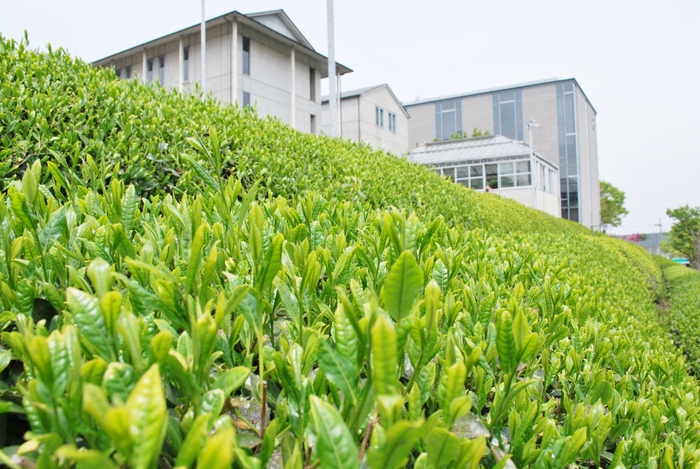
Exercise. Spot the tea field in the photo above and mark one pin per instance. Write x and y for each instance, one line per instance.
(184, 284)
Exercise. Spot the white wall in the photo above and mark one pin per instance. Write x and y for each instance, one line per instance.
(269, 82)
(548, 203)
(382, 137)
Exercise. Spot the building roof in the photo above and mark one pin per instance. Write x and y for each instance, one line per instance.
(368, 89)
(492, 147)
(500, 88)
(275, 24)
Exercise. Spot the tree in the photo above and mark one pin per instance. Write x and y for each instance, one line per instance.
(612, 201)
(685, 233)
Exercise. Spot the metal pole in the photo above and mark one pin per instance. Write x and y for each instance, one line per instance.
(332, 104)
(532, 164)
(203, 80)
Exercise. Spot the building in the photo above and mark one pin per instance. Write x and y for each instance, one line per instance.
(372, 115)
(497, 164)
(564, 135)
(259, 59)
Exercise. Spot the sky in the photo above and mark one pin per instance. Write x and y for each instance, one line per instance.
(637, 61)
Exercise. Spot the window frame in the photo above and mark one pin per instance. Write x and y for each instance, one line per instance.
(245, 99)
(245, 56)
(392, 122)
(149, 70)
(127, 72)
(379, 116)
(161, 69)
(186, 64)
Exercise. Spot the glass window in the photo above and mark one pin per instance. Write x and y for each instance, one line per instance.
(118, 72)
(568, 151)
(507, 168)
(161, 69)
(128, 72)
(523, 167)
(463, 172)
(392, 122)
(246, 99)
(149, 70)
(449, 173)
(379, 116)
(507, 181)
(477, 184)
(508, 114)
(477, 170)
(523, 180)
(246, 56)
(491, 175)
(186, 64)
(464, 182)
(448, 118)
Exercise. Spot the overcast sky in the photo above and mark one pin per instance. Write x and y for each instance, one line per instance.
(637, 61)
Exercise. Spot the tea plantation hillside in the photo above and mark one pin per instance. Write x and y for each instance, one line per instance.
(186, 285)
(58, 109)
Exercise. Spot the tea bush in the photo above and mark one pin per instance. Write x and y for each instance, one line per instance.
(682, 310)
(224, 315)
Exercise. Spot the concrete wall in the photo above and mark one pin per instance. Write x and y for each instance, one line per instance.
(350, 119)
(540, 103)
(589, 189)
(358, 121)
(548, 203)
(421, 125)
(382, 137)
(269, 82)
(477, 111)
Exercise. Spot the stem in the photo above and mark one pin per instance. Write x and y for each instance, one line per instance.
(365, 440)
(415, 371)
(263, 409)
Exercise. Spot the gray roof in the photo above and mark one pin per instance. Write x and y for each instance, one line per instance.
(353, 93)
(492, 147)
(499, 88)
(367, 89)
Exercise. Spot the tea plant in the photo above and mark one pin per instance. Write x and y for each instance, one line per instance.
(207, 308)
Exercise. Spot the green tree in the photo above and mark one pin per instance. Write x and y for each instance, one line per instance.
(612, 205)
(685, 233)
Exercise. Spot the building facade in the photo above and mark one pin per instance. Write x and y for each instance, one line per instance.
(564, 133)
(259, 59)
(495, 164)
(372, 115)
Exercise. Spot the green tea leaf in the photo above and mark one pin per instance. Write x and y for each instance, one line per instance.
(384, 354)
(148, 419)
(335, 446)
(402, 285)
(394, 452)
(339, 371)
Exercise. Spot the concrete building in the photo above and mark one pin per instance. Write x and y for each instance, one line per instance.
(565, 132)
(372, 115)
(259, 59)
(497, 164)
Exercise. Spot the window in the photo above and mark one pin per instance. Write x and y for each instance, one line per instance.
(246, 55)
(161, 69)
(118, 72)
(448, 118)
(149, 70)
(495, 175)
(128, 72)
(379, 116)
(312, 84)
(392, 122)
(508, 114)
(246, 99)
(568, 153)
(186, 64)
(312, 125)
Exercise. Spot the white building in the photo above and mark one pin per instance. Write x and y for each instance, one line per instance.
(497, 164)
(565, 135)
(372, 115)
(259, 59)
